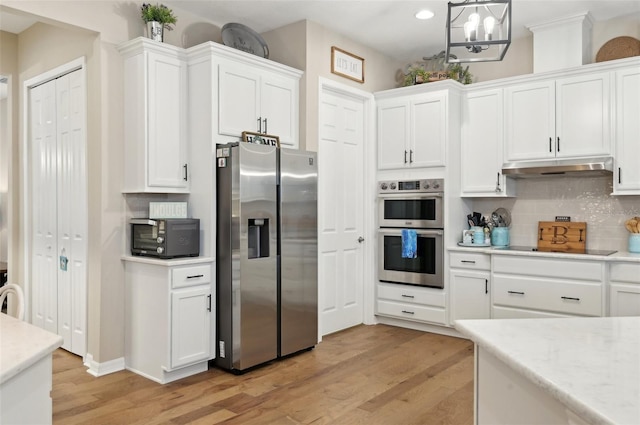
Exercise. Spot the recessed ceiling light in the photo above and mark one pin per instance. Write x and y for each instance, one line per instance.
(424, 14)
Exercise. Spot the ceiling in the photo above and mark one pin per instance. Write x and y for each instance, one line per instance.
(388, 26)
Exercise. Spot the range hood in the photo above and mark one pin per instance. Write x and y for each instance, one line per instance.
(600, 166)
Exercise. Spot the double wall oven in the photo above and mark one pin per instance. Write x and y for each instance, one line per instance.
(415, 205)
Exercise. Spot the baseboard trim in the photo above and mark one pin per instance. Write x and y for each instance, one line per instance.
(100, 369)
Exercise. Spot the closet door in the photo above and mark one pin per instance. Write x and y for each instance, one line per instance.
(43, 206)
(59, 209)
(71, 212)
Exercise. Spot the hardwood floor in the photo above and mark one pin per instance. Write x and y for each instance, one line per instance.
(363, 375)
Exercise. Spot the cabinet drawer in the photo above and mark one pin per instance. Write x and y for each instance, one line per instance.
(413, 295)
(516, 313)
(411, 312)
(551, 295)
(470, 260)
(549, 267)
(190, 276)
(625, 272)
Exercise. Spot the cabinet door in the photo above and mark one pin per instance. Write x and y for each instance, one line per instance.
(393, 135)
(582, 116)
(428, 131)
(625, 300)
(166, 125)
(627, 155)
(190, 325)
(530, 121)
(470, 297)
(482, 145)
(279, 108)
(239, 99)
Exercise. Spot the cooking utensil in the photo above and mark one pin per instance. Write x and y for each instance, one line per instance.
(502, 216)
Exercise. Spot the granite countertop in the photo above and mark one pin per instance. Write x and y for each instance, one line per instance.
(22, 345)
(591, 365)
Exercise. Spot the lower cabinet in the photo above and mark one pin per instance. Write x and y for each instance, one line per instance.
(169, 318)
(411, 303)
(624, 289)
(547, 287)
(469, 286)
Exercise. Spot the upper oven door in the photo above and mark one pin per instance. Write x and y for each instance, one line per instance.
(425, 270)
(411, 211)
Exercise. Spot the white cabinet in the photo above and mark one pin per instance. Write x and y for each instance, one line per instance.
(169, 318)
(411, 303)
(155, 117)
(568, 117)
(627, 132)
(258, 100)
(624, 289)
(412, 131)
(546, 287)
(469, 286)
(483, 146)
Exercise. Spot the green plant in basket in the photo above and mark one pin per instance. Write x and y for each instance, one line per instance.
(158, 13)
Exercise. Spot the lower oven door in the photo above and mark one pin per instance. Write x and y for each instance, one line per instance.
(425, 270)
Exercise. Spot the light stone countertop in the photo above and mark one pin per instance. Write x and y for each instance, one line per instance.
(591, 365)
(22, 345)
(619, 256)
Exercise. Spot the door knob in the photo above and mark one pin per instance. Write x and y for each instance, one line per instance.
(360, 239)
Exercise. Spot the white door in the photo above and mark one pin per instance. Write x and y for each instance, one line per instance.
(59, 209)
(340, 211)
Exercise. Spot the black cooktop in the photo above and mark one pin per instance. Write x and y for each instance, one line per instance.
(534, 249)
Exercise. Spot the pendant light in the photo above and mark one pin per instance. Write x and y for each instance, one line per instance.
(478, 31)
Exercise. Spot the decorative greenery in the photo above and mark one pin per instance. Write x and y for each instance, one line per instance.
(435, 68)
(158, 13)
(416, 74)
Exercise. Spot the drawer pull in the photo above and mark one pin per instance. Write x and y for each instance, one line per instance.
(571, 298)
(408, 312)
(195, 276)
(516, 292)
(407, 296)
(468, 261)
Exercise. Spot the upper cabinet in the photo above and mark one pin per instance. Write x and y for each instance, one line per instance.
(412, 130)
(567, 117)
(258, 100)
(482, 145)
(155, 118)
(627, 132)
(231, 91)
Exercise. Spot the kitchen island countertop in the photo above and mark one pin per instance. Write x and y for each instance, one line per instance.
(590, 365)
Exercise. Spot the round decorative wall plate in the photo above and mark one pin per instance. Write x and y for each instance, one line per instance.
(244, 38)
(618, 48)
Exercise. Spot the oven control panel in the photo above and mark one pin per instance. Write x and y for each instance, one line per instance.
(411, 186)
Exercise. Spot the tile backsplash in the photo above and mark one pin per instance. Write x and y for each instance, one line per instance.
(583, 199)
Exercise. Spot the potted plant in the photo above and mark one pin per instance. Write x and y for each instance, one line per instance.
(158, 17)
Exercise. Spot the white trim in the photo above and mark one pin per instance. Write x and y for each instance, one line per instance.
(100, 369)
(369, 151)
(25, 206)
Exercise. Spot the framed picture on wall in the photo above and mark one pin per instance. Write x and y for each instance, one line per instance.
(347, 64)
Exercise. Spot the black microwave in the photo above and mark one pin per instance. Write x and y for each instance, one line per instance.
(165, 238)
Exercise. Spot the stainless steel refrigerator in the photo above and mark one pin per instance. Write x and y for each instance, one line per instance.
(267, 296)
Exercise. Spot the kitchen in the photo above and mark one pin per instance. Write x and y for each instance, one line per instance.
(105, 307)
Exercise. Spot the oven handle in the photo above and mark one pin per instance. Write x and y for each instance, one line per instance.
(419, 232)
(411, 196)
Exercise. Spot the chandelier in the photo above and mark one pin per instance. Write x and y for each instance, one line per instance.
(478, 31)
